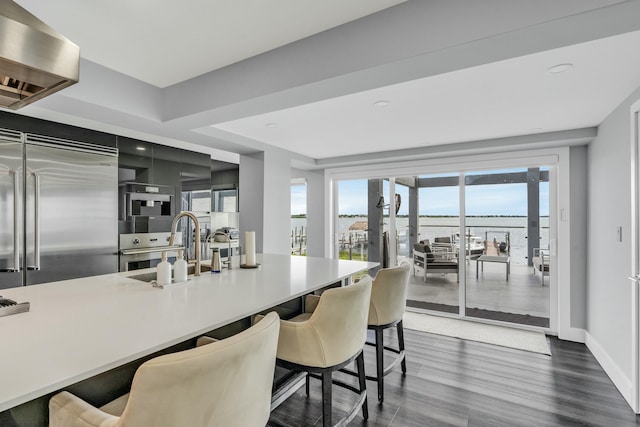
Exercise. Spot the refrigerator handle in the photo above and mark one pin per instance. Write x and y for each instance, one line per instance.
(36, 224)
(16, 231)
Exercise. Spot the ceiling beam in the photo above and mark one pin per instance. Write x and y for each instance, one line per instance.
(413, 40)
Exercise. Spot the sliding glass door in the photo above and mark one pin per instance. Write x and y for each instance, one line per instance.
(435, 286)
(477, 240)
(506, 217)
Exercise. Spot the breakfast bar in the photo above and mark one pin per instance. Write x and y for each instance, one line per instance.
(77, 329)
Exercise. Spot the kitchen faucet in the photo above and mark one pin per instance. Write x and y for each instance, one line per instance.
(174, 226)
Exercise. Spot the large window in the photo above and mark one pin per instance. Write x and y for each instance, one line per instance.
(352, 231)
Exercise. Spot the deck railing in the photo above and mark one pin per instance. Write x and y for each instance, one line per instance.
(299, 241)
(353, 244)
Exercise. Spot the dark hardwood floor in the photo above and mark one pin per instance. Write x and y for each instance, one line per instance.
(452, 382)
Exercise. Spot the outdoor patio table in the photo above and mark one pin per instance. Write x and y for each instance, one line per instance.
(492, 258)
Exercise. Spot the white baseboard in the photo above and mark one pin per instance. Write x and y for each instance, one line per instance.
(572, 334)
(620, 380)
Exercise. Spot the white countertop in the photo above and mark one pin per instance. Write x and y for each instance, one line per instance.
(79, 328)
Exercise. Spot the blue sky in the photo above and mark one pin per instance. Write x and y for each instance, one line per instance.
(298, 199)
(504, 199)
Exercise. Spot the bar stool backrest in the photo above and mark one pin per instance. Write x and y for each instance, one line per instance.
(225, 383)
(389, 295)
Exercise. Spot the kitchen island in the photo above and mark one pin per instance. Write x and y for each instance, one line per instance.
(77, 329)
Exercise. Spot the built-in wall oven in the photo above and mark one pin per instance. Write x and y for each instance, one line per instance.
(145, 208)
(144, 250)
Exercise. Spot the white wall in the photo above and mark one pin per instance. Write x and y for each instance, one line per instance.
(608, 320)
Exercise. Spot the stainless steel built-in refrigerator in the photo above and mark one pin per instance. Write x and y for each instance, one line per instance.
(58, 209)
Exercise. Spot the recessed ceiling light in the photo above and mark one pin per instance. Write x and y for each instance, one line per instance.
(140, 148)
(535, 129)
(381, 103)
(559, 68)
(271, 125)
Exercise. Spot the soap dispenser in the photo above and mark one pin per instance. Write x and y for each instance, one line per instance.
(215, 261)
(180, 269)
(163, 275)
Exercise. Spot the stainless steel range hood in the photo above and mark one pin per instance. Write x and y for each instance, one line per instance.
(35, 61)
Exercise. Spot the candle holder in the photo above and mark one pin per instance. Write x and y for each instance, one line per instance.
(250, 250)
(250, 266)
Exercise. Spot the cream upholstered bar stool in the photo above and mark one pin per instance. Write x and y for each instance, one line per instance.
(328, 336)
(388, 302)
(224, 383)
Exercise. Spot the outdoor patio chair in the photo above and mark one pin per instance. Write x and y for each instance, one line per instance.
(540, 262)
(426, 260)
(443, 246)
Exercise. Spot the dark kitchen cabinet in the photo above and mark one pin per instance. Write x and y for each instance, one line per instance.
(195, 171)
(166, 166)
(225, 178)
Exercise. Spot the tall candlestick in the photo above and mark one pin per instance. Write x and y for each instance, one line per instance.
(250, 247)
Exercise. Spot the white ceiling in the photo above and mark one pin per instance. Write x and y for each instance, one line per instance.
(506, 98)
(324, 109)
(163, 42)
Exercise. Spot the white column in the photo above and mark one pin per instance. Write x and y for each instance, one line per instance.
(265, 199)
(315, 213)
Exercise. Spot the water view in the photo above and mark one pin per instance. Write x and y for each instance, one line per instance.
(484, 227)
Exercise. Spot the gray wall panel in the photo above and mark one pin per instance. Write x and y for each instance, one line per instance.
(578, 258)
(608, 314)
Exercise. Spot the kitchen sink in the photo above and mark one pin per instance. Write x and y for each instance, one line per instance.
(148, 277)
